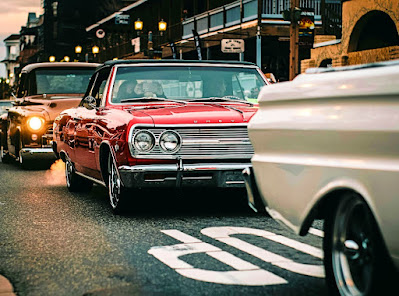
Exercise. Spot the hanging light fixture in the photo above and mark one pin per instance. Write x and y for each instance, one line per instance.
(95, 49)
(162, 26)
(138, 25)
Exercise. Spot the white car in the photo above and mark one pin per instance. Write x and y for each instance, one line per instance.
(327, 147)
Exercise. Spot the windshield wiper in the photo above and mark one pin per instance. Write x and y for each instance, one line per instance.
(152, 99)
(222, 99)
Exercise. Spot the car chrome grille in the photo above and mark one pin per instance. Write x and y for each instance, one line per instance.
(228, 142)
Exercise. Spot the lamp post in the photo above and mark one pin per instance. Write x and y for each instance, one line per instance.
(162, 26)
(51, 59)
(95, 50)
(78, 51)
(138, 27)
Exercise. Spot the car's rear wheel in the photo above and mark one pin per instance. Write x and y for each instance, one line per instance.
(74, 182)
(355, 258)
(116, 190)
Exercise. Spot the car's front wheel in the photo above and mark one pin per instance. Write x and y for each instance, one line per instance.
(355, 258)
(25, 163)
(4, 156)
(74, 182)
(115, 187)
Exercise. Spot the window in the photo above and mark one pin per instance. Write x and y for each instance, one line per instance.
(186, 83)
(60, 80)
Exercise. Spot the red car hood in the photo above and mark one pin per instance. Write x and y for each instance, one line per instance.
(198, 113)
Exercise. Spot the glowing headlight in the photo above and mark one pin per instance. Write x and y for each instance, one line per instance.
(170, 141)
(144, 141)
(35, 123)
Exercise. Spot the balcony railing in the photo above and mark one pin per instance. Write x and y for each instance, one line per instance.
(230, 14)
(332, 19)
(221, 17)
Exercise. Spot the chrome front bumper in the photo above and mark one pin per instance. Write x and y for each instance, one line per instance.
(184, 175)
(37, 153)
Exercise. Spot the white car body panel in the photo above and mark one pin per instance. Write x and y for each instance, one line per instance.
(322, 132)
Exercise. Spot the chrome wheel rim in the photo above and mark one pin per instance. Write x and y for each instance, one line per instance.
(68, 172)
(114, 186)
(352, 251)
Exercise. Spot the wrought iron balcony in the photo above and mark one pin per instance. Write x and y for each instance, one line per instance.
(230, 15)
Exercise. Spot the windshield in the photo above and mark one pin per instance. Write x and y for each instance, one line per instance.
(188, 83)
(61, 81)
(4, 106)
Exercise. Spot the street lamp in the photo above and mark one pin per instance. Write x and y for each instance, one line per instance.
(66, 59)
(52, 59)
(78, 49)
(162, 26)
(95, 49)
(138, 25)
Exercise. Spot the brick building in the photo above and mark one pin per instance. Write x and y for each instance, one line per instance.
(369, 34)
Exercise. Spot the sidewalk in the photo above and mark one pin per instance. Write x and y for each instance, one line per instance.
(6, 288)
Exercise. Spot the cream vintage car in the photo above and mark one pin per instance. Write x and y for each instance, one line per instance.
(327, 147)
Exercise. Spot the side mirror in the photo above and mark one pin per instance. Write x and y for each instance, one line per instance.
(89, 102)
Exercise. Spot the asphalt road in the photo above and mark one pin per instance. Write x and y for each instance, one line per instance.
(53, 242)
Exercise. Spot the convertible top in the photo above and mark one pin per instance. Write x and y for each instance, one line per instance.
(30, 67)
(112, 63)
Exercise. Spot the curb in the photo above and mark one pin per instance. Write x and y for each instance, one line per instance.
(6, 288)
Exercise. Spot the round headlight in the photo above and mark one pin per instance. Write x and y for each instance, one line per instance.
(170, 141)
(144, 141)
(35, 123)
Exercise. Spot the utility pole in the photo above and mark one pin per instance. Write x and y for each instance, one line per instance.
(259, 36)
(293, 16)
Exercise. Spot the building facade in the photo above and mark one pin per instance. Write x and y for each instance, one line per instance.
(196, 28)
(369, 34)
(10, 61)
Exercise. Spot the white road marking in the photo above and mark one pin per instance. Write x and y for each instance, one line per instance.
(232, 260)
(181, 236)
(223, 234)
(316, 232)
(245, 278)
(245, 273)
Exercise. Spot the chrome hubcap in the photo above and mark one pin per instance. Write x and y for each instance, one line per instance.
(352, 251)
(68, 172)
(114, 186)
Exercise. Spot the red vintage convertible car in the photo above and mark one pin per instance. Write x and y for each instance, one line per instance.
(160, 124)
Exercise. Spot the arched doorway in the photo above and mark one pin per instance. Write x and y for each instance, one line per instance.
(327, 63)
(373, 30)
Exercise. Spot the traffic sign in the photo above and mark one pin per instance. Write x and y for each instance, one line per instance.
(122, 19)
(233, 45)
